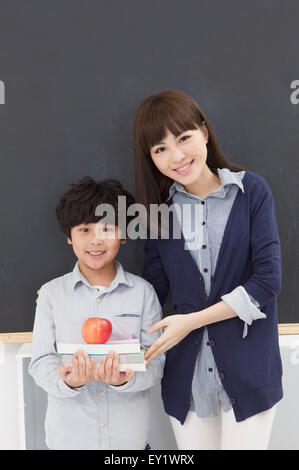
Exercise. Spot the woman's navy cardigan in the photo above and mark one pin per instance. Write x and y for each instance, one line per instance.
(250, 255)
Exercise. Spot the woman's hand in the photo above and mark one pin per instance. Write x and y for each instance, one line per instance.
(176, 327)
(80, 372)
(108, 371)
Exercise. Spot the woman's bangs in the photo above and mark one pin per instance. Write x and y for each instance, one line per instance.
(163, 117)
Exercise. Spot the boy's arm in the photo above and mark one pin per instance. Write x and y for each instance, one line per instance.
(44, 364)
(152, 313)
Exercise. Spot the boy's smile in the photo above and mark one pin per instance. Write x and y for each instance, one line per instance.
(96, 245)
(96, 254)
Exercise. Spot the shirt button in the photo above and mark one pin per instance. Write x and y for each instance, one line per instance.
(204, 246)
(206, 270)
(98, 299)
(233, 401)
(210, 369)
(102, 425)
(221, 375)
(211, 343)
(203, 202)
(203, 223)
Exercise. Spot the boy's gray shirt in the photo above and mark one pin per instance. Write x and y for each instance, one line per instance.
(96, 415)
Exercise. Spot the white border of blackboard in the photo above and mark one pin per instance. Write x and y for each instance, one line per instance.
(26, 337)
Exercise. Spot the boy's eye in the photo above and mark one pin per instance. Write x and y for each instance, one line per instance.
(107, 229)
(84, 229)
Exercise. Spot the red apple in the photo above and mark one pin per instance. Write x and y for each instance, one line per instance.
(96, 330)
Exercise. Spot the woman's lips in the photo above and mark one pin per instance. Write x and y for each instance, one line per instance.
(184, 169)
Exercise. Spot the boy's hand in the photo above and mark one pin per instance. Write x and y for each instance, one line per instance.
(80, 372)
(108, 371)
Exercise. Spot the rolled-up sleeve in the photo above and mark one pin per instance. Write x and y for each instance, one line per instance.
(152, 313)
(44, 364)
(244, 305)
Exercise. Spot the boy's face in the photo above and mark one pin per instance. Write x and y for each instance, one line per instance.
(95, 245)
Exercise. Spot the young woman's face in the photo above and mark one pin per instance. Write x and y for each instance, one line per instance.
(182, 158)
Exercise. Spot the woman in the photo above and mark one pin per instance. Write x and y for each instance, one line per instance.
(222, 379)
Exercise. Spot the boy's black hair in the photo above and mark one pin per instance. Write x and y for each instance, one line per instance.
(78, 205)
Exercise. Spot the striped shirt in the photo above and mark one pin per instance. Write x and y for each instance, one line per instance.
(204, 241)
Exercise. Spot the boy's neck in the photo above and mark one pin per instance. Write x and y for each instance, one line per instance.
(102, 277)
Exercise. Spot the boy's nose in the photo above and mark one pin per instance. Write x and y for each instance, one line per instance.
(97, 238)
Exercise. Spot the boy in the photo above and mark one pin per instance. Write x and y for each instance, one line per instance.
(94, 406)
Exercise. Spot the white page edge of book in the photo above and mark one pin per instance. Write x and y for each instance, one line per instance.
(70, 348)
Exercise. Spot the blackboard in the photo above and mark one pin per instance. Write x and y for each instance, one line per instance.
(74, 73)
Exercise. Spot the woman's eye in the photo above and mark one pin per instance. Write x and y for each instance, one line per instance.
(107, 229)
(184, 138)
(84, 229)
(159, 150)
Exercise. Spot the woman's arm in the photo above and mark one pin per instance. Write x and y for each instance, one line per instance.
(176, 327)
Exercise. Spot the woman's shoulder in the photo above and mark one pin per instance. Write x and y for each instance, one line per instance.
(255, 182)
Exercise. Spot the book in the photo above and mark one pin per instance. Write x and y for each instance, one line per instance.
(130, 354)
(135, 362)
(127, 346)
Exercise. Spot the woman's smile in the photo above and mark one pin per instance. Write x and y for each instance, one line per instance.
(186, 168)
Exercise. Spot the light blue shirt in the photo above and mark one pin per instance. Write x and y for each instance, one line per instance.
(96, 415)
(207, 388)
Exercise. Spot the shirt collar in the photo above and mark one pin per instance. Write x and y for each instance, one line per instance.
(227, 178)
(120, 278)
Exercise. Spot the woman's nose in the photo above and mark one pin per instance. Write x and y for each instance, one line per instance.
(177, 155)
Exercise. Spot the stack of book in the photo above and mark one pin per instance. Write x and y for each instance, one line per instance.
(130, 354)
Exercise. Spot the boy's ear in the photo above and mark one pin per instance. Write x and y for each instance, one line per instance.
(69, 241)
(123, 241)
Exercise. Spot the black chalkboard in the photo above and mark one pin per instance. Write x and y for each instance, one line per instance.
(74, 73)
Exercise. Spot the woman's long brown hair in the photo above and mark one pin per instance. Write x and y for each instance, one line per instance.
(177, 112)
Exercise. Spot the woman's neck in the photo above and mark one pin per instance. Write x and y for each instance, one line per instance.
(205, 184)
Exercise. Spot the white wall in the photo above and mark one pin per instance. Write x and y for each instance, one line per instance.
(9, 419)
